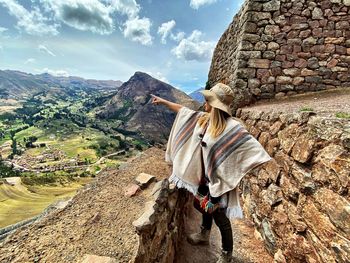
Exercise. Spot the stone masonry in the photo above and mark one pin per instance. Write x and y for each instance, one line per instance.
(300, 201)
(276, 48)
(161, 226)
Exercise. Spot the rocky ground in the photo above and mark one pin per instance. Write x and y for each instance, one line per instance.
(246, 248)
(98, 221)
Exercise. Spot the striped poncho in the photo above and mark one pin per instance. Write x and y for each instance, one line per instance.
(226, 158)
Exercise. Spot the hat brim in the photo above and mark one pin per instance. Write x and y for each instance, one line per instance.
(215, 102)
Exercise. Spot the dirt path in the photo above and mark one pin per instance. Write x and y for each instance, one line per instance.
(324, 103)
(246, 248)
(24, 169)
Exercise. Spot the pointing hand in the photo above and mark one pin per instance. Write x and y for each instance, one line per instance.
(156, 100)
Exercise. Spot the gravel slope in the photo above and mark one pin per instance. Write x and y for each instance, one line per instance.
(98, 220)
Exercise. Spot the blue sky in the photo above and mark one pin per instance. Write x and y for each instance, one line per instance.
(172, 40)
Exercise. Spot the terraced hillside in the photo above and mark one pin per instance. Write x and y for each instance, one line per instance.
(19, 202)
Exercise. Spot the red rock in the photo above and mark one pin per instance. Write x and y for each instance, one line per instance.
(296, 49)
(287, 64)
(263, 73)
(259, 63)
(318, 222)
(264, 138)
(342, 25)
(298, 248)
(286, 49)
(298, 80)
(254, 131)
(276, 71)
(131, 190)
(300, 63)
(273, 169)
(329, 48)
(340, 50)
(304, 54)
(314, 24)
(292, 72)
(336, 207)
(97, 259)
(338, 159)
(288, 137)
(143, 179)
(284, 80)
(276, 127)
(303, 149)
(305, 33)
(272, 146)
(329, 34)
(317, 32)
(279, 257)
(306, 72)
(281, 58)
(295, 218)
(325, 255)
(272, 29)
(332, 40)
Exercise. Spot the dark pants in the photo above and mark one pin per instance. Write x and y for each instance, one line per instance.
(223, 224)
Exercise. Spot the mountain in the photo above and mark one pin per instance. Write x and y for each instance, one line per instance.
(21, 86)
(81, 83)
(196, 95)
(132, 104)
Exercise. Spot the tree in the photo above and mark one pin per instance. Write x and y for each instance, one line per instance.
(14, 146)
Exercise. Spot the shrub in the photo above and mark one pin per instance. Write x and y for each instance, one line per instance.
(306, 109)
(342, 115)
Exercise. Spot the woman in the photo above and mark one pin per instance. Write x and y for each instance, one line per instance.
(210, 153)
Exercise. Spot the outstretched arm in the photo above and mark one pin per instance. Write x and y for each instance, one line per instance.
(171, 105)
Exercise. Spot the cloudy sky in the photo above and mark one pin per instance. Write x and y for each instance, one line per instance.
(172, 40)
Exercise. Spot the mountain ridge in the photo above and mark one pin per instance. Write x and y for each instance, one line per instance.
(20, 85)
(132, 103)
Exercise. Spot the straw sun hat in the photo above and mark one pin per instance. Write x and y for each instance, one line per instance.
(220, 96)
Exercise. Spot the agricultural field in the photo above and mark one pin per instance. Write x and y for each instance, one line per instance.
(53, 147)
(19, 201)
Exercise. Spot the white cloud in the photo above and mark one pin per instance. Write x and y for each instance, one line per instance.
(138, 30)
(169, 64)
(195, 4)
(165, 30)
(30, 61)
(86, 15)
(56, 73)
(44, 49)
(126, 7)
(2, 29)
(158, 75)
(178, 37)
(1, 48)
(34, 23)
(192, 49)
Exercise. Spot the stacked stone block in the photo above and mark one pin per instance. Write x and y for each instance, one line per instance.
(277, 48)
(161, 226)
(300, 201)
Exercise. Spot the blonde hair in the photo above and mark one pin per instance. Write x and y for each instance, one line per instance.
(218, 120)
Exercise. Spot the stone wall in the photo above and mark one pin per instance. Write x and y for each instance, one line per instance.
(300, 201)
(276, 48)
(160, 227)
